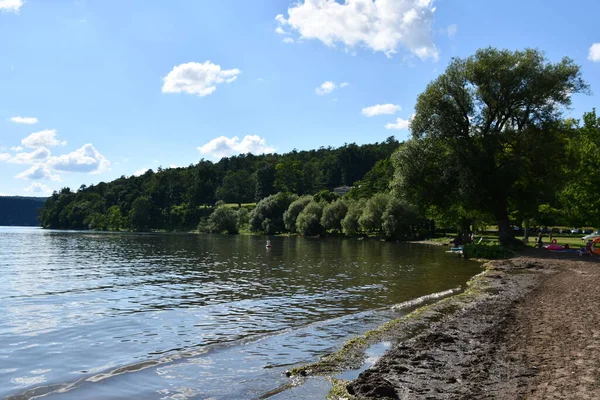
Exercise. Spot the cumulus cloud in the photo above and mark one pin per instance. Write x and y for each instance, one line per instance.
(400, 123)
(37, 172)
(38, 155)
(594, 53)
(24, 120)
(325, 88)
(223, 146)
(84, 159)
(4, 156)
(16, 148)
(380, 109)
(288, 40)
(11, 5)
(45, 138)
(379, 25)
(195, 78)
(37, 187)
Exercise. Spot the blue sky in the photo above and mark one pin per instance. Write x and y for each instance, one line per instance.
(94, 89)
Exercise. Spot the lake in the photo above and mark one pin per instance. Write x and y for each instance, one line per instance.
(175, 316)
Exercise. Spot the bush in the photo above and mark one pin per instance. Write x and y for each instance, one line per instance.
(350, 222)
(271, 208)
(291, 214)
(223, 219)
(398, 218)
(333, 214)
(309, 220)
(371, 218)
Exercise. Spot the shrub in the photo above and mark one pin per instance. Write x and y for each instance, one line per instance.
(309, 220)
(223, 219)
(271, 208)
(371, 218)
(398, 218)
(291, 214)
(350, 222)
(333, 214)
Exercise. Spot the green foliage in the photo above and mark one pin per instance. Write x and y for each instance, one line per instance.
(267, 216)
(333, 214)
(295, 208)
(398, 219)
(115, 220)
(579, 197)
(237, 187)
(243, 216)
(309, 219)
(180, 197)
(350, 223)
(371, 219)
(377, 180)
(487, 134)
(223, 219)
(326, 196)
(140, 213)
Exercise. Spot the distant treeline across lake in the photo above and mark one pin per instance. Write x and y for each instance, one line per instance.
(20, 211)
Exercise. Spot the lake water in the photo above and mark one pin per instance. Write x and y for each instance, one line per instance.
(87, 315)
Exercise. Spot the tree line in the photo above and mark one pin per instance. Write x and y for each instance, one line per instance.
(177, 198)
(490, 145)
(20, 211)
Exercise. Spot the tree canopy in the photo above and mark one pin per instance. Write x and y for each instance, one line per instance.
(487, 134)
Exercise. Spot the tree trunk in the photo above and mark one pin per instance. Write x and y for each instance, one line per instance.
(505, 233)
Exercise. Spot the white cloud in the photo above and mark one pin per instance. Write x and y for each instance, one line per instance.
(288, 40)
(380, 109)
(280, 31)
(223, 146)
(594, 53)
(140, 172)
(380, 25)
(38, 155)
(325, 88)
(4, 156)
(84, 159)
(45, 138)
(196, 78)
(11, 5)
(344, 84)
(400, 123)
(452, 30)
(37, 187)
(38, 171)
(16, 148)
(24, 120)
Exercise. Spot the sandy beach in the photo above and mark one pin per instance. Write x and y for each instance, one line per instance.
(528, 328)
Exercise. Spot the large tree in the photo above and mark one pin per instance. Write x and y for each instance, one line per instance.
(487, 133)
(580, 195)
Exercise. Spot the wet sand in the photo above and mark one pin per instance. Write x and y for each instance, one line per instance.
(531, 329)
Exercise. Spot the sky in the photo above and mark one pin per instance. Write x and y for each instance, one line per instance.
(91, 90)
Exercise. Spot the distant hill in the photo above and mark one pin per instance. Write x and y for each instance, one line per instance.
(20, 211)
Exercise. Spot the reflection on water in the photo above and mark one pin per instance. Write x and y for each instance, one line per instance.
(179, 316)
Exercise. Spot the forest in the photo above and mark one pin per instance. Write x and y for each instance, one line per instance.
(490, 145)
(20, 211)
